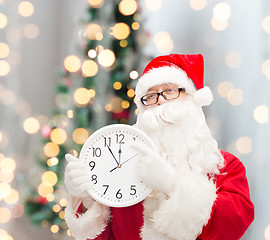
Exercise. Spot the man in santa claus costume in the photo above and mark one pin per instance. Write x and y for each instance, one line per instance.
(200, 192)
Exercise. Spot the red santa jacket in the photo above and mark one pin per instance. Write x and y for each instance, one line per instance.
(231, 215)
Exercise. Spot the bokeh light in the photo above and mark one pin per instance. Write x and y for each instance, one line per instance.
(235, 96)
(224, 88)
(31, 31)
(120, 31)
(94, 32)
(5, 190)
(3, 21)
(81, 96)
(197, 4)
(5, 215)
(267, 232)
(261, 114)
(72, 63)
(266, 68)
(51, 149)
(266, 24)
(106, 58)
(89, 68)
(233, 59)
(26, 9)
(4, 50)
(163, 42)
(131, 93)
(7, 165)
(92, 53)
(133, 74)
(222, 11)
(219, 25)
(135, 26)
(80, 135)
(244, 145)
(117, 85)
(31, 125)
(58, 136)
(13, 197)
(4, 67)
(96, 3)
(153, 5)
(127, 7)
(54, 228)
(49, 178)
(44, 190)
(52, 161)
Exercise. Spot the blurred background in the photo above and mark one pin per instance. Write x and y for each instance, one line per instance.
(69, 67)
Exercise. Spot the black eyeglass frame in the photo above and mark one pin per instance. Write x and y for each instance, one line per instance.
(161, 93)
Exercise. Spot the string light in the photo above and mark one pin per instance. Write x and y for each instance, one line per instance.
(72, 63)
(58, 136)
(51, 149)
(120, 31)
(96, 3)
(44, 190)
(131, 93)
(127, 7)
(117, 85)
(106, 58)
(89, 68)
(135, 26)
(133, 74)
(94, 32)
(49, 178)
(81, 96)
(54, 228)
(52, 161)
(92, 53)
(80, 135)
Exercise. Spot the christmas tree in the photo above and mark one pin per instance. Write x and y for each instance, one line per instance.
(96, 89)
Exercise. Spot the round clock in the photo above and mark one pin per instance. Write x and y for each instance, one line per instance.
(111, 162)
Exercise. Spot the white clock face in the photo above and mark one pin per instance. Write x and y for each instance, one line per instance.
(111, 162)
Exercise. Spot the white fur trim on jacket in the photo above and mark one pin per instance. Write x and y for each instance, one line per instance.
(88, 225)
(182, 215)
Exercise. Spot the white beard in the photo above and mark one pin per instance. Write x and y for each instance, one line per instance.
(182, 136)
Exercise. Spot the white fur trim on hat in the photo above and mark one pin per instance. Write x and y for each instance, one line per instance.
(203, 96)
(162, 75)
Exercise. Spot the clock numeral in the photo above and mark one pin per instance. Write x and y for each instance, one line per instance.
(96, 152)
(120, 138)
(92, 164)
(133, 189)
(94, 179)
(119, 195)
(107, 141)
(106, 186)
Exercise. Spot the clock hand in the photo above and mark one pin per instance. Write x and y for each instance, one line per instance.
(126, 161)
(113, 156)
(119, 152)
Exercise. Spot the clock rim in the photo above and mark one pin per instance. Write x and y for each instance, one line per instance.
(111, 127)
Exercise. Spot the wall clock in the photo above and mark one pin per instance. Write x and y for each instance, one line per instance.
(111, 161)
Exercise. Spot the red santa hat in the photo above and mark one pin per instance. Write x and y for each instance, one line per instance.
(186, 71)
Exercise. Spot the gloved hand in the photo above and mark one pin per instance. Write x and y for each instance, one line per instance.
(77, 179)
(155, 171)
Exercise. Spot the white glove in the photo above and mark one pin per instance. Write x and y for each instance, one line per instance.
(77, 178)
(155, 171)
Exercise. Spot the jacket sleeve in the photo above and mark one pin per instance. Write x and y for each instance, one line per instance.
(93, 224)
(233, 210)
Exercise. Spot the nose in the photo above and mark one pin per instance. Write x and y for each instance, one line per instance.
(161, 100)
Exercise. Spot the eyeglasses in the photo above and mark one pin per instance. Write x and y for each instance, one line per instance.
(168, 94)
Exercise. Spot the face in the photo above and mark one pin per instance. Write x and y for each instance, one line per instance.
(162, 87)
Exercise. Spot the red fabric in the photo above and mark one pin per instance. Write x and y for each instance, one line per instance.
(192, 64)
(232, 212)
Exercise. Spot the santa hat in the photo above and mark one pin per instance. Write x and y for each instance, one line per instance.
(186, 71)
